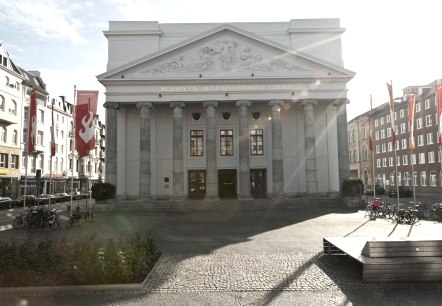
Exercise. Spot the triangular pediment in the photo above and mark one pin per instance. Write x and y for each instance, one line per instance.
(226, 52)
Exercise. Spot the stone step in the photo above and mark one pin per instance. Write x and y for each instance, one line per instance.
(167, 205)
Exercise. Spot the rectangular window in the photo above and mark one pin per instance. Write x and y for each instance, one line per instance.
(196, 143)
(431, 157)
(422, 158)
(418, 107)
(433, 181)
(384, 162)
(3, 160)
(390, 161)
(26, 112)
(39, 138)
(413, 159)
(430, 138)
(14, 161)
(403, 128)
(404, 143)
(398, 160)
(428, 120)
(378, 163)
(390, 146)
(383, 148)
(382, 120)
(420, 140)
(388, 118)
(377, 149)
(419, 123)
(407, 179)
(382, 134)
(404, 160)
(41, 116)
(226, 142)
(401, 113)
(376, 122)
(427, 103)
(376, 135)
(256, 142)
(388, 132)
(423, 178)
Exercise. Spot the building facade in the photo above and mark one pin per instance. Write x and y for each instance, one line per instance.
(225, 110)
(420, 167)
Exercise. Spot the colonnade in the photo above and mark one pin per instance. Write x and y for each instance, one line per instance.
(244, 191)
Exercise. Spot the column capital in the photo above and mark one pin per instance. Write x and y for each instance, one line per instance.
(341, 101)
(113, 105)
(177, 104)
(311, 102)
(144, 104)
(243, 102)
(210, 103)
(276, 103)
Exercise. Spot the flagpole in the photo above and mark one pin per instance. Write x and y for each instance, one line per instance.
(73, 148)
(372, 148)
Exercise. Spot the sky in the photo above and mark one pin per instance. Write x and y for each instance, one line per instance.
(385, 41)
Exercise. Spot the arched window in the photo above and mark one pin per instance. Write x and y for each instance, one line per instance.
(350, 156)
(13, 108)
(364, 153)
(2, 103)
(3, 134)
(355, 156)
(15, 137)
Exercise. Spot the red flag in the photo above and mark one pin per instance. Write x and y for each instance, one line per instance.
(85, 113)
(390, 93)
(439, 110)
(370, 127)
(32, 127)
(411, 107)
(53, 132)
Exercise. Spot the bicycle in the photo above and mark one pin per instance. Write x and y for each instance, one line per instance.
(21, 220)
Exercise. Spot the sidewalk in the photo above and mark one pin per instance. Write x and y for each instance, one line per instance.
(249, 257)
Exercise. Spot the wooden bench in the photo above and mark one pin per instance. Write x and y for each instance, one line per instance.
(388, 260)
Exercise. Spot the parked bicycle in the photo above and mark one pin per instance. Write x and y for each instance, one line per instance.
(43, 218)
(436, 212)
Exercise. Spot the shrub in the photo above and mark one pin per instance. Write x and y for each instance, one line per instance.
(103, 191)
(351, 187)
(83, 262)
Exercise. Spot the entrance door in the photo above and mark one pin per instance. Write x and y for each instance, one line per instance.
(197, 184)
(227, 183)
(258, 185)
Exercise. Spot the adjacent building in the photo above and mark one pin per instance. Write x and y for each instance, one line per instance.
(238, 110)
(420, 167)
(39, 172)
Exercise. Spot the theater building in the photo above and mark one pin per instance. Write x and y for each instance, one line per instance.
(238, 110)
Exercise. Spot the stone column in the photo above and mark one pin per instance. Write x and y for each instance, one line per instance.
(145, 170)
(277, 161)
(341, 125)
(111, 143)
(178, 150)
(244, 156)
(310, 147)
(211, 169)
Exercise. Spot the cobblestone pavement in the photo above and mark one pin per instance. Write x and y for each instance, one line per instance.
(250, 257)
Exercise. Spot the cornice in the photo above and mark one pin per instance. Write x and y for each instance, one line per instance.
(165, 82)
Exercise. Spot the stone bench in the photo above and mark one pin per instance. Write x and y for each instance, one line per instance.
(388, 260)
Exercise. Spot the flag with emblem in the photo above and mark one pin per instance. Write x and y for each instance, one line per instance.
(52, 131)
(411, 107)
(439, 111)
(390, 94)
(32, 126)
(85, 113)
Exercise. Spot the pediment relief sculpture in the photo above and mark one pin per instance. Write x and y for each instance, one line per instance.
(226, 55)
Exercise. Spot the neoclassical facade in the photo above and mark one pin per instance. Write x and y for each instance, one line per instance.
(239, 110)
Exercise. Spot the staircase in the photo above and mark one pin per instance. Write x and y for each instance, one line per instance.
(168, 205)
